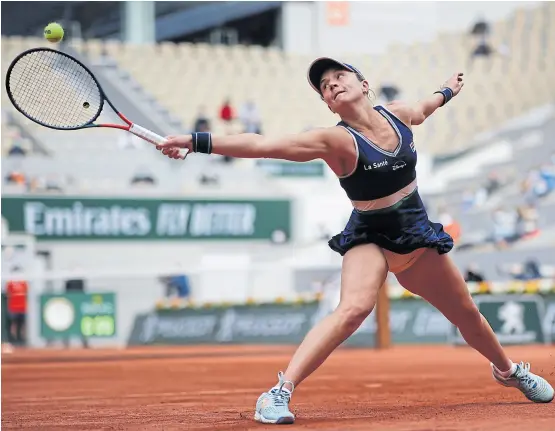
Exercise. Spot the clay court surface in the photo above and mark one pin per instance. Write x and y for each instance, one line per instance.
(215, 388)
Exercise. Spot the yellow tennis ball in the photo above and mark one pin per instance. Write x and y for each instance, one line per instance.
(53, 32)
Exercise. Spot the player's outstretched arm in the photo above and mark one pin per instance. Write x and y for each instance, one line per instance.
(301, 147)
(417, 113)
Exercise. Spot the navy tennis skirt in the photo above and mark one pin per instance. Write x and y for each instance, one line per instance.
(401, 228)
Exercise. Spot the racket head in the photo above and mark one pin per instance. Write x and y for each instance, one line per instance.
(54, 89)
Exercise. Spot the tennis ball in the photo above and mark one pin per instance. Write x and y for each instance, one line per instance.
(53, 32)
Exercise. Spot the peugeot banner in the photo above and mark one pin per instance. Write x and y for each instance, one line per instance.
(517, 319)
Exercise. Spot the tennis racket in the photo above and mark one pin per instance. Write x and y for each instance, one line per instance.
(55, 90)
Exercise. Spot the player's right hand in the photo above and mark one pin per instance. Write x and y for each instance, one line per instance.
(174, 144)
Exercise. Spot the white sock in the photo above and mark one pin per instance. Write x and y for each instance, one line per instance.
(508, 373)
(284, 389)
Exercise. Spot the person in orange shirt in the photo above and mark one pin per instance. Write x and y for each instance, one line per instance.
(16, 291)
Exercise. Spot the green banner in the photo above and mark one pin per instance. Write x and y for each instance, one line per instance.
(284, 168)
(78, 314)
(72, 218)
(263, 324)
(412, 321)
(517, 319)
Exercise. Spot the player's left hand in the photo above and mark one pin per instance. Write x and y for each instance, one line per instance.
(455, 83)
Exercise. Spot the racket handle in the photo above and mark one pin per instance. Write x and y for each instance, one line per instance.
(146, 134)
(151, 137)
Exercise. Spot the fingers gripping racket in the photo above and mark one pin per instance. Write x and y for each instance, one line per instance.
(57, 91)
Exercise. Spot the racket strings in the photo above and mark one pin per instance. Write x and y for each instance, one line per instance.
(54, 90)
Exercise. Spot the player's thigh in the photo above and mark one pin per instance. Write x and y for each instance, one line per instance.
(435, 278)
(364, 272)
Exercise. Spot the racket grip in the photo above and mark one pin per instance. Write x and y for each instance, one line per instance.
(146, 134)
(152, 137)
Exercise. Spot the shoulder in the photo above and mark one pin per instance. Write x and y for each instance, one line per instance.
(328, 140)
(331, 134)
(402, 110)
(340, 134)
(338, 140)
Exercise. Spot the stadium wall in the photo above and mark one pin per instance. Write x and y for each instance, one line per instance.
(339, 28)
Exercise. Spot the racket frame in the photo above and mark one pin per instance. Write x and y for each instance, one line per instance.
(131, 127)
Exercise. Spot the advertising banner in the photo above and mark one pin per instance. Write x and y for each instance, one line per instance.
(517, 319)
(412, 321)
(263, 324)
(74, 218)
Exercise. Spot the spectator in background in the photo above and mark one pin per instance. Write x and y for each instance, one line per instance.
(53, 183)
(483, 49)
(535, 186)
(450, 225)
(480, 196)
(209, 180)
(227, 115)
(480, 28)
(480, 31)
(474, 198)
(177, 286)
(16, 150)
(547, 174)
(504, 227)
(529, 270)
(467, 200)
(493, 183)
(16, 292)
(17, 145)
(388, 92)
(143, 177)
(16, 177)
(250, 118)
(527, 221)
(473, 274)
(181, 286)
(202, 123)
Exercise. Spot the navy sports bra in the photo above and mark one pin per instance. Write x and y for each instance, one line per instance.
(380, 173)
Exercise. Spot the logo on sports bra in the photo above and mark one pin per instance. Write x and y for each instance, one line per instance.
(376, 165)
(412, 147)
(399, 165)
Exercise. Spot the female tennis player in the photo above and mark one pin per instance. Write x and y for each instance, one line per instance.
(371, 151)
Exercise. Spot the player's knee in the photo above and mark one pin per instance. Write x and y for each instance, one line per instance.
(354, 314)
(468, 316)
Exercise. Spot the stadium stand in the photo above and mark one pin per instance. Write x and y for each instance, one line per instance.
(500, 87)
(200, 74)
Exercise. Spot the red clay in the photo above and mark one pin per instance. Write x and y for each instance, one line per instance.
(215, 388)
